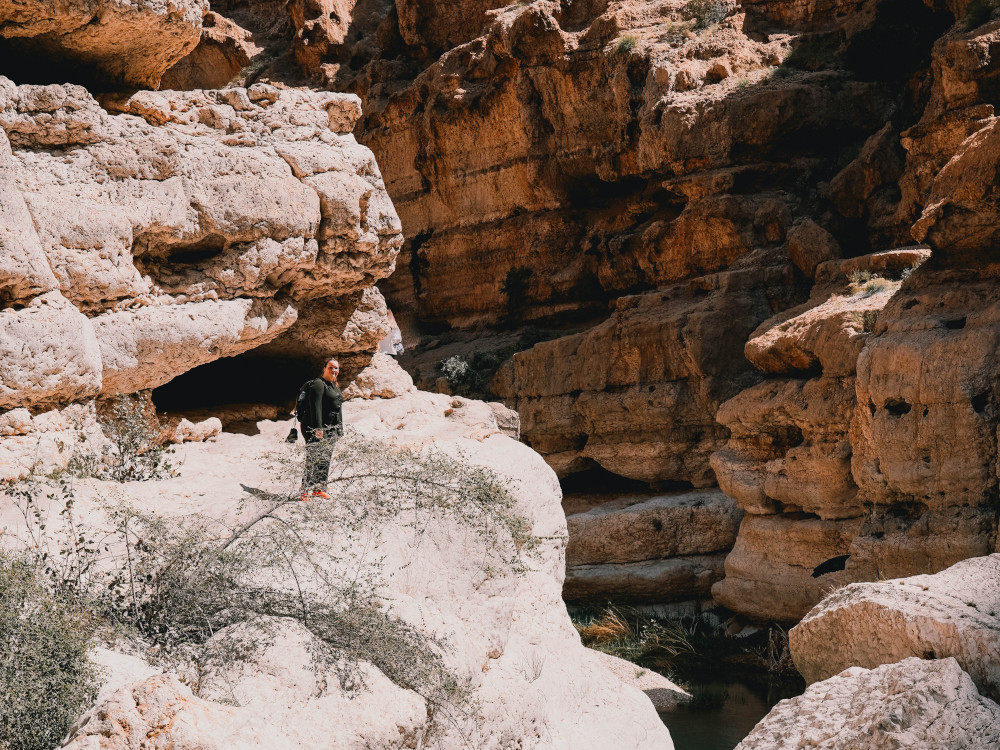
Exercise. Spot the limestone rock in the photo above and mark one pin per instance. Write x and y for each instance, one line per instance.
(187, 430)
(122, 43)
(509, 636)
(809, 245)
(663, 693)
(789, 448)
(185, 226)
(674, 579)
(783, 565)
(637, 394)
(50, 354)
(954, 613)
(910, 704)
(223, 50)
(681, 524)
(151, 346)
(382, 378)
(926, 426)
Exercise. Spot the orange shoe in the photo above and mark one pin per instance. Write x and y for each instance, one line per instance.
(320, 494)
(304, 496)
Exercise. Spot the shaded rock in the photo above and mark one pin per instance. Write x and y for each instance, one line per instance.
(637, 394)
(663, 693)
(153, 345)
(809, 245)
(673, 579)
(909, 704)
(661, 526)
(954, 613)
(223, 50)
(789, 448)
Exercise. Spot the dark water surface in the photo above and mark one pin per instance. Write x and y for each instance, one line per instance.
(721, 714)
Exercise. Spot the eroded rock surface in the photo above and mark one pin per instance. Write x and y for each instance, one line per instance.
(954, 613)
(913, 703)
(109, 42)
(508, 633)
(165, 230)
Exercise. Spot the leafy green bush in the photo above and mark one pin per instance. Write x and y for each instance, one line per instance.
(46, 679)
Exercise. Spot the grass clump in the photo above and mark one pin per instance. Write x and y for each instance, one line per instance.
(625, 44)
(625, 633)
(46, 679)
(866, 319)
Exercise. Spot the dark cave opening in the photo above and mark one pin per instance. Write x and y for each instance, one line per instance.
(248, 378)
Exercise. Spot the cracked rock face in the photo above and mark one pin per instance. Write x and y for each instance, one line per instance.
(910, 704)
(116, 42)
(150, 234)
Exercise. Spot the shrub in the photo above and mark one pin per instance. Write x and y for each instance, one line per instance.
(133, 454)
(626, 43)
(978, 12)
(707, 13)
(866, 319)
(457, 371)
(515, 283)
(46, 679)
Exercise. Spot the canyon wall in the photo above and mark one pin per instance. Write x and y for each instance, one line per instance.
(682, 213)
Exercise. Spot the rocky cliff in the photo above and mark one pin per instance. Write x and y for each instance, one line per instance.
(693, 202)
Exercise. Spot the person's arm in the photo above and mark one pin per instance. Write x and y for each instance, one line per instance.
(316, 390)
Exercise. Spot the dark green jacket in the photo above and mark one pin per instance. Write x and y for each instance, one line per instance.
(323, 407)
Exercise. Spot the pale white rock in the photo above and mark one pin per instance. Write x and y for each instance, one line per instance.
(954, 613)
(902, 706)
(24, 271)
(534, 684)
(662, 693)
(148, 347)
(48, 353)
(188, 431)
(47, 441)
(161, 199)
(381, 378)
(15, 422)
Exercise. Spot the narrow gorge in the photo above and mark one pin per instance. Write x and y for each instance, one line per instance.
(683, 311)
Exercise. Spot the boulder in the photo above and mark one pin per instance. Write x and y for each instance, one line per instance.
(680, 524)
(954, 613)
(50, 354)
(675, 579)
(382, 378)
(909, 704)
(121, 43)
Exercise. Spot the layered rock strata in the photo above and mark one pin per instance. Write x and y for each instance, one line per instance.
(162, 231)
(660, 549)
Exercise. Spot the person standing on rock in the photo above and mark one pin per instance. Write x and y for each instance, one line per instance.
(320, 412)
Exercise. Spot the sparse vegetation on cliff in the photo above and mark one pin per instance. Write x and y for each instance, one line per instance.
(46, 678)
(177, 583)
